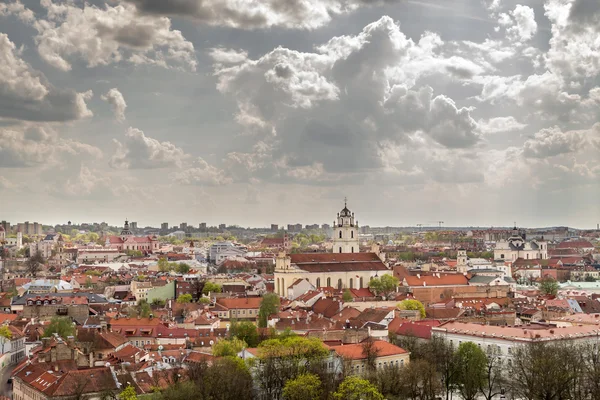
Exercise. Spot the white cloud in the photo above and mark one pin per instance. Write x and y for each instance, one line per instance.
(139, 151)
(524, 23)
(201, 173)
(18, 9)
(117, 102)
(35, 145)
(103, 36)
(25, 94)
(501, 125)
(251, 14)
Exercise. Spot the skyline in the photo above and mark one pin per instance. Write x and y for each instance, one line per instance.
(480, 114)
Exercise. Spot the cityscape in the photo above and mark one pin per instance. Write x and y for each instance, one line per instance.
(299, 200)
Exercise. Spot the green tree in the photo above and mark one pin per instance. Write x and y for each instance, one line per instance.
(211, 287)
(304, 387)
(158, 302)
(228, 347)
(143, 309)
(347, 296)
(245, 331)
(182, 268)
(269, 305)
(471, 364)
(163, 264)
(384, 286)
(204, 300)
(355, 388)
(411, 304)
(5, 332)
(128, 393)
(549, 286)
(63, 326)
(185, 298)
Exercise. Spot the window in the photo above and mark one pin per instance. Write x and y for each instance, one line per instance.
(352, 234)
(318, 282)
(351, 283)
(340, 285)
(340, 249)
(340, 234)
(361, 282)
(352, 249)
(328, 282)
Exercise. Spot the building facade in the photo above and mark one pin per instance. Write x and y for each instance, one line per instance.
(517, 246)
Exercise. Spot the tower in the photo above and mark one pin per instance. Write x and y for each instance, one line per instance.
(126, 232)
(345, 233)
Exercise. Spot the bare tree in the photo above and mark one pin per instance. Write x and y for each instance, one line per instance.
(34, 264)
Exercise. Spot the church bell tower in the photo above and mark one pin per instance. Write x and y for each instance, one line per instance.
(345, 239)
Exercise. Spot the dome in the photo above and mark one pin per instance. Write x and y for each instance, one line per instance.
(345, 212)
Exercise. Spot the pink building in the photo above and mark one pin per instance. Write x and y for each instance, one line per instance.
(128, 241)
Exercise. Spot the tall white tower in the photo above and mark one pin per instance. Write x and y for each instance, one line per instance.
(345, 232)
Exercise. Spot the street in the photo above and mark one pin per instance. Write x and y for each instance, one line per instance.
(6, 389)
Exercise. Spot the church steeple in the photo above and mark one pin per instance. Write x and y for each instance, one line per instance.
(345, 231)
(126, 231)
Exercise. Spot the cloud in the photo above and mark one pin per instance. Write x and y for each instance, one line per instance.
(574, 46)
(524, 23)
(323, 113)
(252, 14)
(19, 10)
(501, 125)
(104, 36)
(117, 102)
(138, 151)
(25, 93)
(202, 174)
(35, 145)
(551, 142)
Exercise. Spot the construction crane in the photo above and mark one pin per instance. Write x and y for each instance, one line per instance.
(440, 224)
(420, 226)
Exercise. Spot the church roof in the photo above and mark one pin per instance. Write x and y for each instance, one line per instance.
(335, 262)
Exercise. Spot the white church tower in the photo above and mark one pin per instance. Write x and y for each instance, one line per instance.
(345, 232)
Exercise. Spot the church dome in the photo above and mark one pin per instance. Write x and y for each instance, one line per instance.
(345, 212)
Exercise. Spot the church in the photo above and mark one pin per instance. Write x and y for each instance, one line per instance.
(345, 267)
(128, 241)
(517, 246)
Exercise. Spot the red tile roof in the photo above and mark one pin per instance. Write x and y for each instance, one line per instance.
(433, 280)
(356, 351)
(240, 303)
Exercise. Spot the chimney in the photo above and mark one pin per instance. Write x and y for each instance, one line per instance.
(71, 340)
(45, 342)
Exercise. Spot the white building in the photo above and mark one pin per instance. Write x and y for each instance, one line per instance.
(505, 339)
(220, 251)
(345, 232)
(517, 246)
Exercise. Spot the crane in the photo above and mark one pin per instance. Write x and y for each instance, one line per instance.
(440, 223)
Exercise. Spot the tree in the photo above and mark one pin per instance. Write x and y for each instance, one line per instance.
(440, 353)
(471, 363)
(128, 393)
(63, 326)
(370, 351)
(411, 304)
(210, 287)
(347, 296)
(269, 305)
(34, 263)
(5, 332)
(494, 378)
(420, 381)
(158, 302)
(143, 309)
(228, 347)
(549, 286)
(245, 331)
(355, 388)
(163, 264)
(185, 298)
(304, 387)
(182, 268)
(384, 286)
(284, 358)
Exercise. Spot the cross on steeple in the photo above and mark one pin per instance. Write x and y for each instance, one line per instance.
(345, 201)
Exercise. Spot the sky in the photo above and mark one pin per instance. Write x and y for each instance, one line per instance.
(252, 112)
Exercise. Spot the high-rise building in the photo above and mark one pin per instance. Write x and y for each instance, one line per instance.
(183, 226)
(6, 226)
(133, 226)
(274, 227)
(164, 226)
(202, 226)
(222, 226)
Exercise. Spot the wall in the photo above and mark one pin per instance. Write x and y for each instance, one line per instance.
(161, 292)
